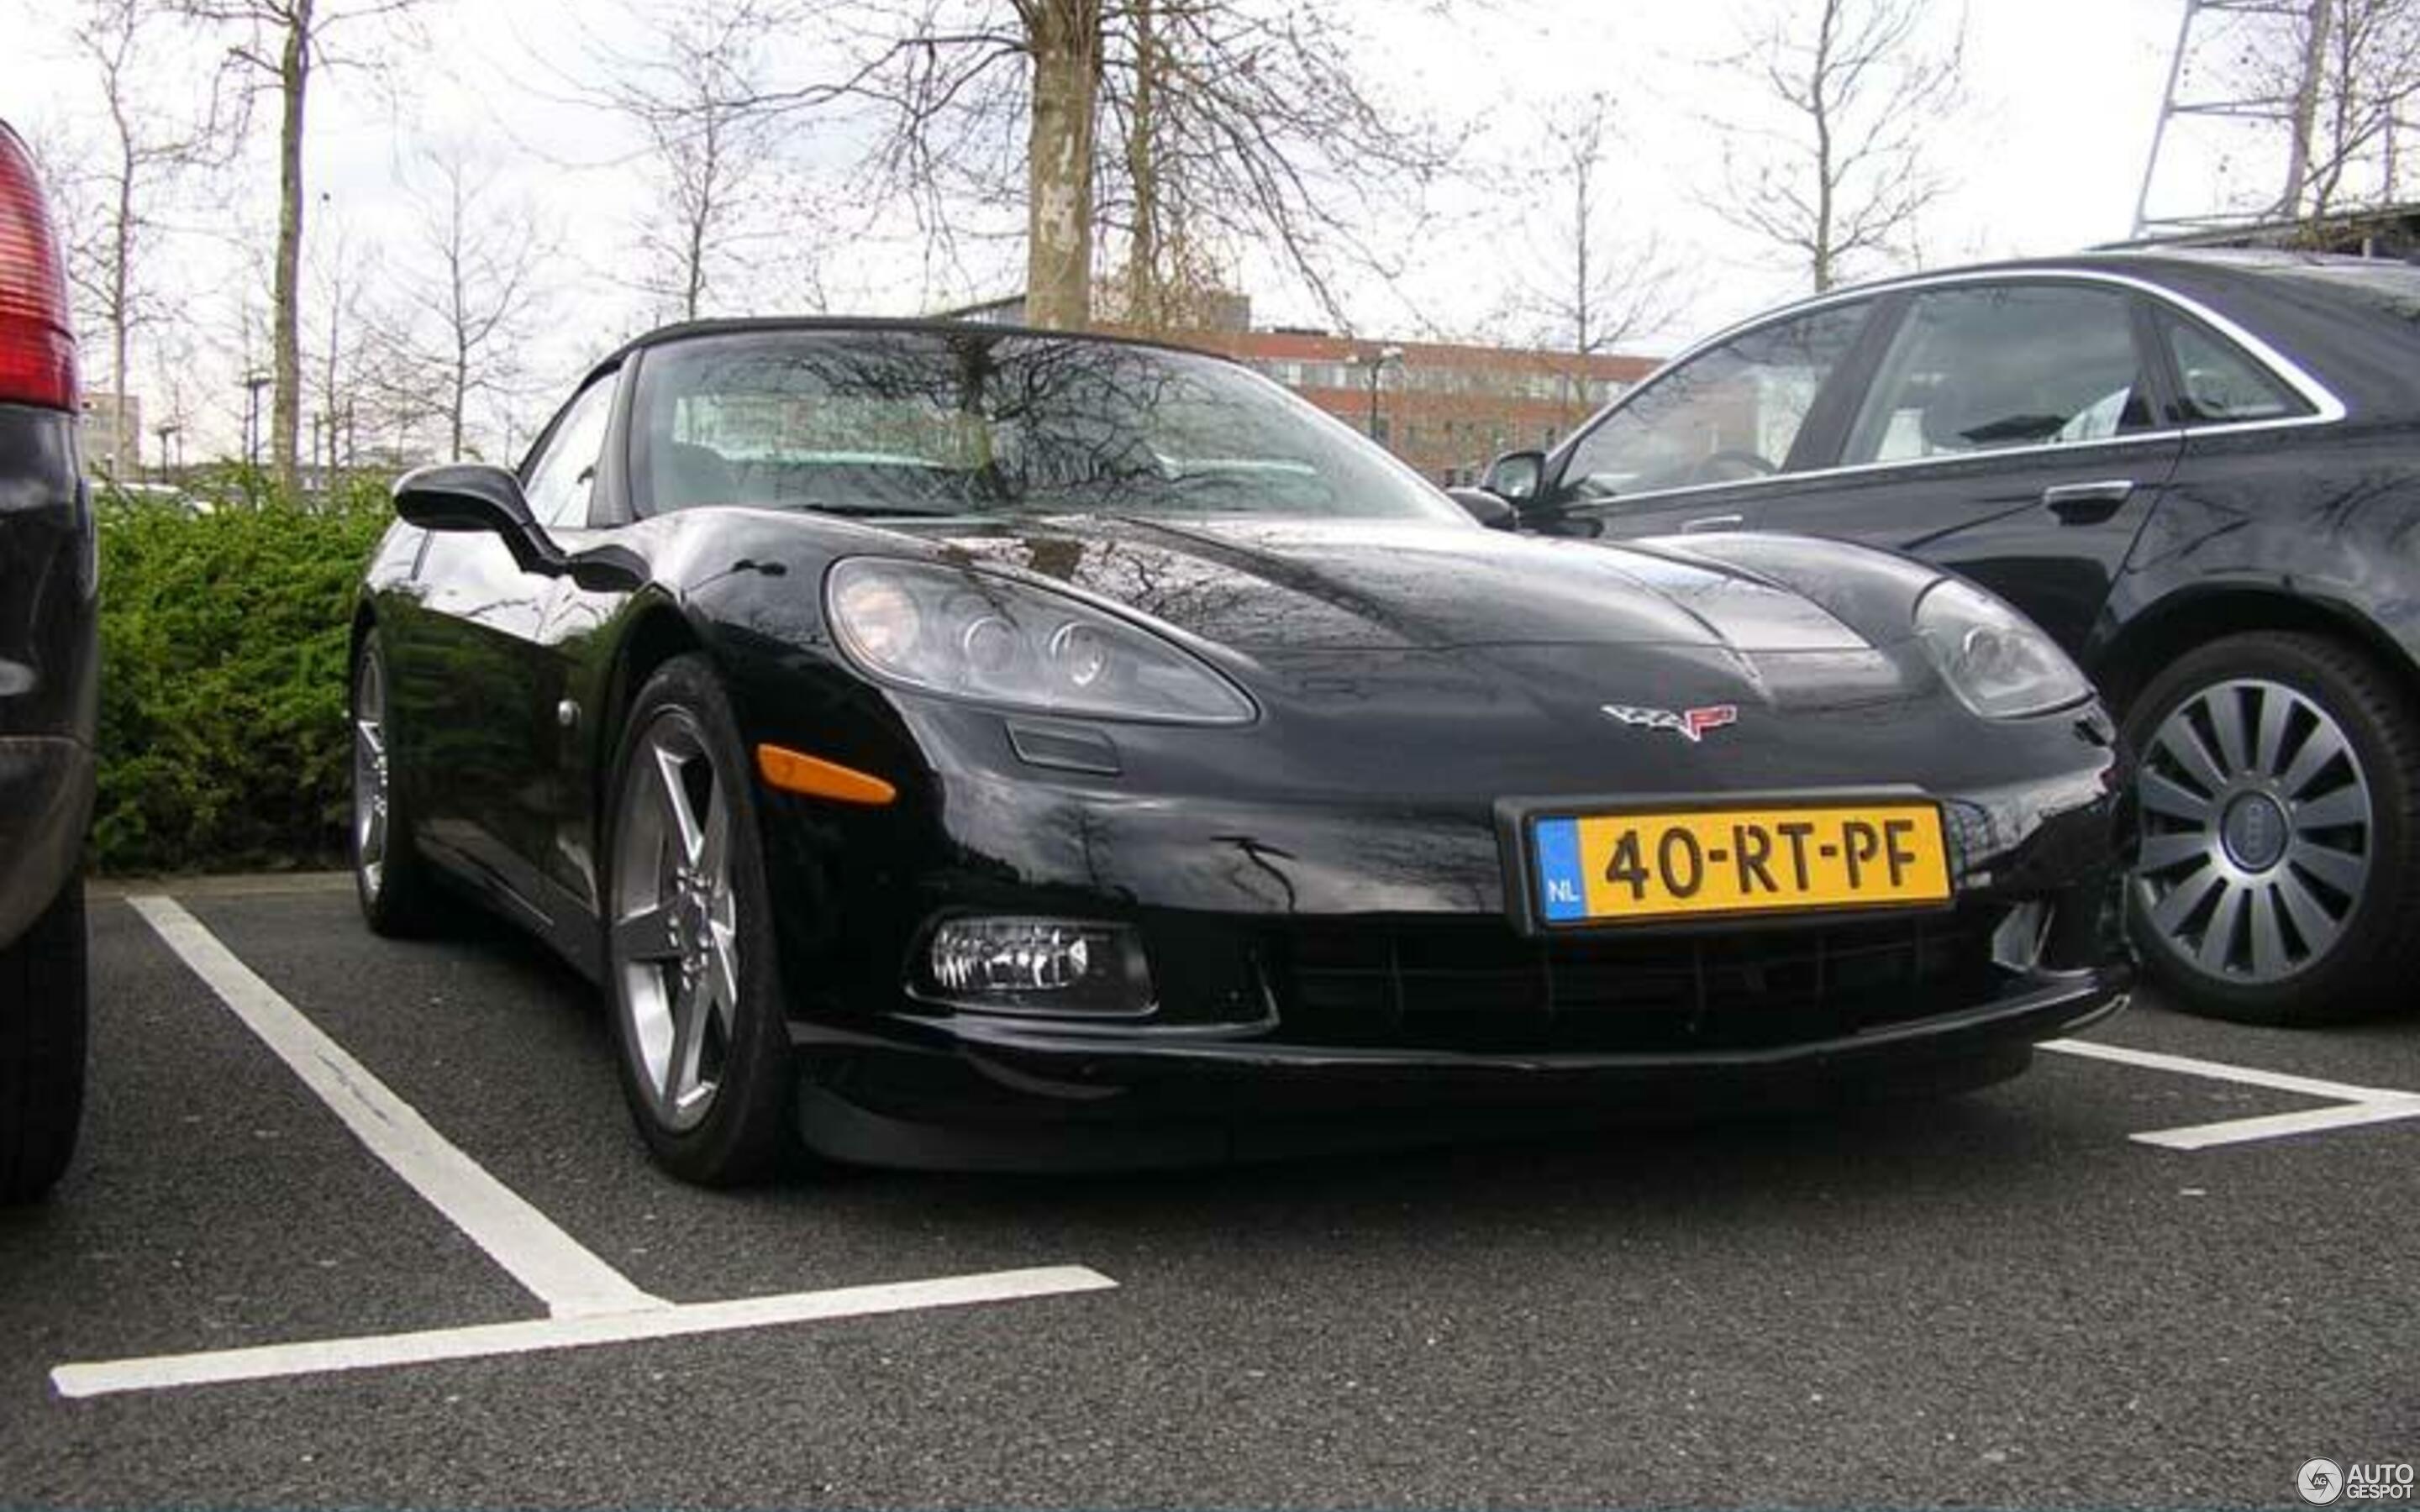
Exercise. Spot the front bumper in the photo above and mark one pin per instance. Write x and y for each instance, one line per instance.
(1351, 967)
(1003, 1096)
(1289, 1018)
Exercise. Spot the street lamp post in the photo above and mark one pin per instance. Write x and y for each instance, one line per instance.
(1377, 363)
(252, 383)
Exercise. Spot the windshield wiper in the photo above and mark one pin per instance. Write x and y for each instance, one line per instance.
(863, 511)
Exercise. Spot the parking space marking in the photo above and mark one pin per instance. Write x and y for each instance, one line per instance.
(558, 1270)
(588, 1300)
(2354, 1106)
(266, 1362)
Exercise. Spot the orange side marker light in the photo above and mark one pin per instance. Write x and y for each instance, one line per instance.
(794, 771)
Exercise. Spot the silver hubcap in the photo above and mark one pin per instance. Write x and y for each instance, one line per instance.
(2256, 833)
(369, 774)
(675, 945)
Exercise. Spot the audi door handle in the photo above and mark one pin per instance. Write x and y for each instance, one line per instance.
(1714, 522)
(2087, 504)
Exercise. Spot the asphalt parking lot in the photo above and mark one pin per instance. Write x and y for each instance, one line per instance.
(2008, 1299)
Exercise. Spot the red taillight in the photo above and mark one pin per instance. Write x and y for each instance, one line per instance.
(36, 342)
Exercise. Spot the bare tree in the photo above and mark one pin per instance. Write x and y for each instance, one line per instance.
(284, 42)
(1843, 174)
(1233, 122)
(1590, 287)
(722, 210)
(127, 187)
(472, 296)
(347, 382)
(2350, 69)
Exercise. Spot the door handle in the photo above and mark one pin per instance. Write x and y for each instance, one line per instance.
(2087, 504)
(1714, 522)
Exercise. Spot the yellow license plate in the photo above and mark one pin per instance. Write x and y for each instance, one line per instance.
(1605, 868)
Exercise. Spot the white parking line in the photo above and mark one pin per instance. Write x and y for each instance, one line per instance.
(591, 1303)
(2354, 1106)
(560, 1272)
(269, 1361)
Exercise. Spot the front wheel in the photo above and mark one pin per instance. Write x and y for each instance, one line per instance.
(2279, 785)
(398, 897)
(697, 997)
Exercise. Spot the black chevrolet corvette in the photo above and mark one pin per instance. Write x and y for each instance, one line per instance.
(958, 746)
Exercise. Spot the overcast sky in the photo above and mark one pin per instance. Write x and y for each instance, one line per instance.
(2044, 154)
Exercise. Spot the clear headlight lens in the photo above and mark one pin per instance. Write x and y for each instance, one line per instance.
(1994, 658)
(973, 636)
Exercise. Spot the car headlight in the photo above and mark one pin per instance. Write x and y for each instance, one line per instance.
(974, 636)
(1997, 662)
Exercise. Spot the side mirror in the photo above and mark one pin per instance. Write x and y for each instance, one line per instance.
(1486, 508)
(480, 496)
(465, 496)
(1516, 476)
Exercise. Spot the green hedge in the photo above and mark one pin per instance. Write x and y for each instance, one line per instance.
(224, 628)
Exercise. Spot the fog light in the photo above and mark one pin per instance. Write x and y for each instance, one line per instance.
(1038, 965)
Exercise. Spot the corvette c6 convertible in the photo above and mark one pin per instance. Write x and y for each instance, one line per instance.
(959, 746)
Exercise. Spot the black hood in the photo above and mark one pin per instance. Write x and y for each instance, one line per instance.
(1259, 586)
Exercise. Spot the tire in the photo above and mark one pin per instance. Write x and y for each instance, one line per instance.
(2279, 786)
(392, 882)
(43, 1010)
(691, 964)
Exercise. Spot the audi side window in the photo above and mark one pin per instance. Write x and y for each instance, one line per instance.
(1729, 413)
(559, 478)
(1985, 368)
(2218, 384)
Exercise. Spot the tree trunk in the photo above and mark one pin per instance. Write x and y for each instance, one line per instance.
(120, 316)
(1066, 40)
(285, 405)
(1826, 176)
(1146, 303)
(2306, 110)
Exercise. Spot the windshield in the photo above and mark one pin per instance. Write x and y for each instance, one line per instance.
(977, 422)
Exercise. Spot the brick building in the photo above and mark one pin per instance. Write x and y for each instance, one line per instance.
(1446, 408)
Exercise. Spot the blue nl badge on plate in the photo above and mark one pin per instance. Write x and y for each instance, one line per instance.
(1562, 891)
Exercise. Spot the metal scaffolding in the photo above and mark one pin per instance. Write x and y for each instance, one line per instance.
(2207, 23)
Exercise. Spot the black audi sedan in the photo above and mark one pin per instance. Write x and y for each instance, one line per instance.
(960, 745)
(2199, 471)
(48, 696)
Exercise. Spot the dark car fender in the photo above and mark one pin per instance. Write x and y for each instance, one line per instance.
(2325, 537)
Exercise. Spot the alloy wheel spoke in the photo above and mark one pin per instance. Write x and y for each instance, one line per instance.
(2164, 797)
(2323, 746)
(2269, 739)
(2182, 743)
(690, 1012)
(2218, 938)
(646, 934)
(2268, 936)
(2333, 867)
(2313, 920)
(2346, 805)
(2226, 707)
(2162, 852)
(722, 975)
(714, 842)
(2178, 904)
(686, 832)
